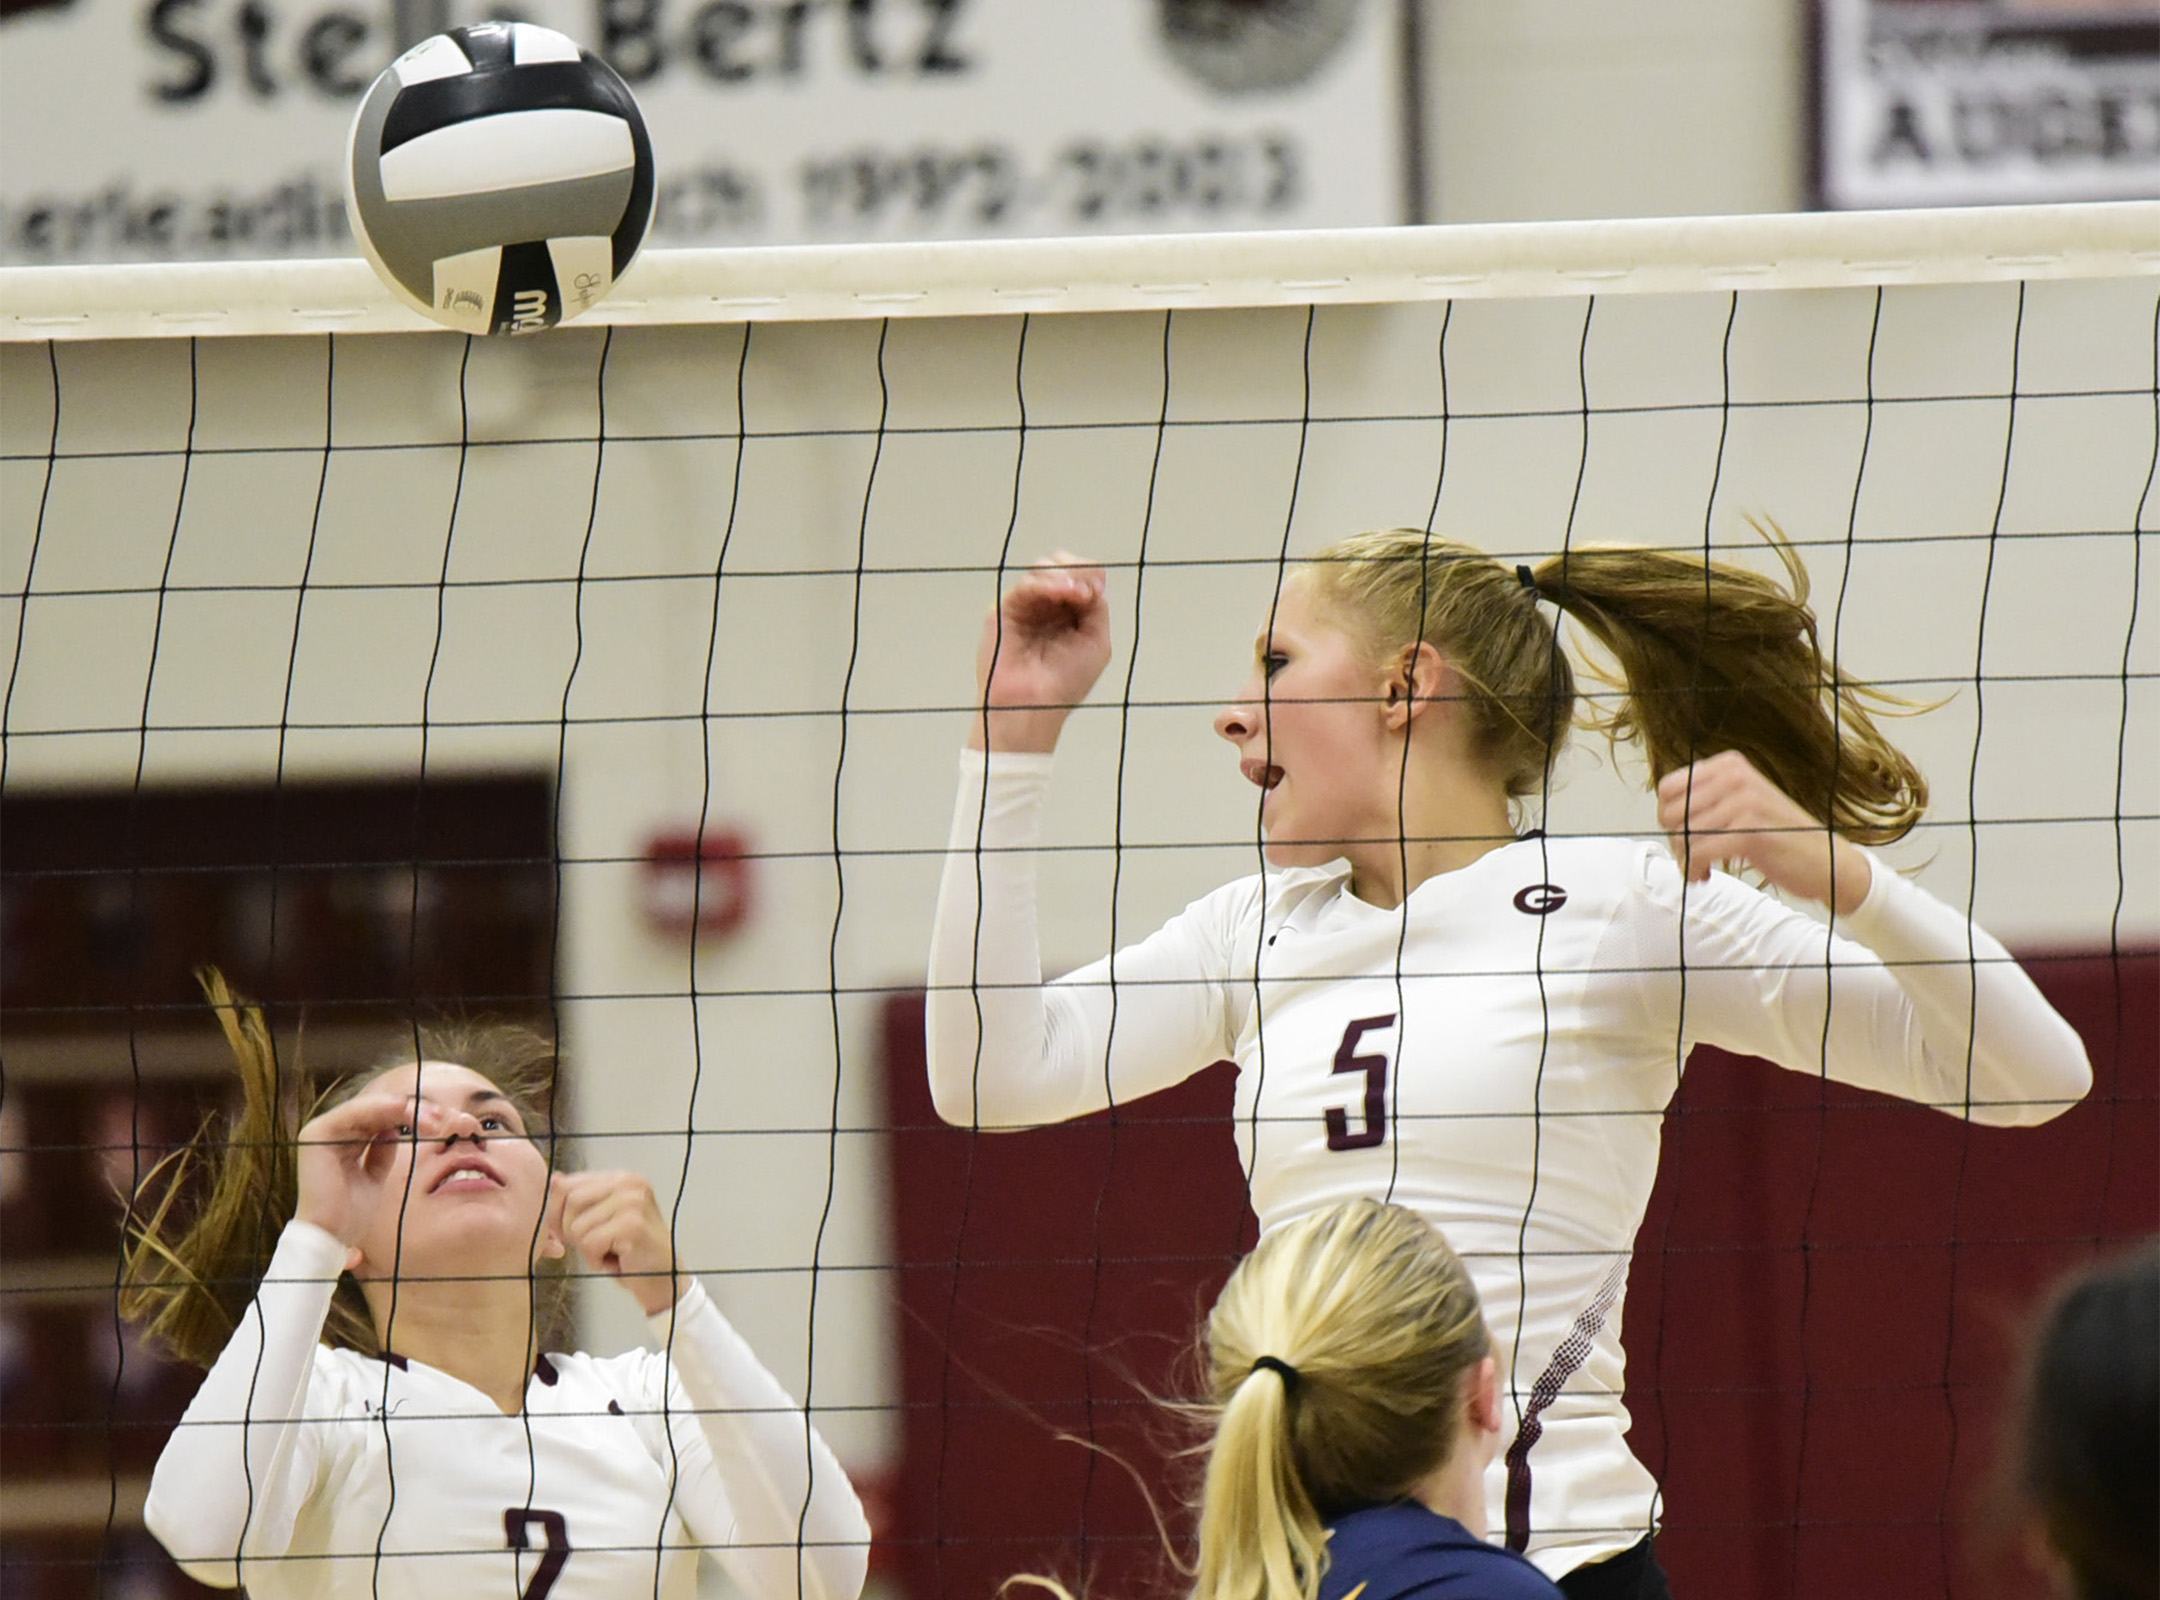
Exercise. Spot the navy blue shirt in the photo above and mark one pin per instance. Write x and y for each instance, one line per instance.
(1400, 1551)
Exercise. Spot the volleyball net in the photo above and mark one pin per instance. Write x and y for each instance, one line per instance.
(397, 673)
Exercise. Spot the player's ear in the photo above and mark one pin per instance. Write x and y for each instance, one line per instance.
(1484, 1397)
(1415, 679)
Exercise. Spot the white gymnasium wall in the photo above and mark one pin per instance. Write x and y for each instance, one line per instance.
(1615, 108)
(623, 656)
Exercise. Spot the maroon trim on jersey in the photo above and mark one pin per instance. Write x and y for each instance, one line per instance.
(1573, 1352)
(394, 1359)
(615, 1408)
(544, 1370)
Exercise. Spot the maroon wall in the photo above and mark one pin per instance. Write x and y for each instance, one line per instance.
(1826, 1290)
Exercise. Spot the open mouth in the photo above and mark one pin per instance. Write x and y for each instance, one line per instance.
(1261, 773)
(466, 1174)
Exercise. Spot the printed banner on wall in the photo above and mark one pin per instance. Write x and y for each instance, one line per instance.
(188, 129)
(1978, 102)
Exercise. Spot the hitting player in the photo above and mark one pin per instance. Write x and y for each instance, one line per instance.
(1425, 1006)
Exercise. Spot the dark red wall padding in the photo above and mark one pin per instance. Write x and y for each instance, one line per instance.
(1827, 1290)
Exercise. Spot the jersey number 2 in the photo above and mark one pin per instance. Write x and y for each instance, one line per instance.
(515, 1522)
(1339, 1133)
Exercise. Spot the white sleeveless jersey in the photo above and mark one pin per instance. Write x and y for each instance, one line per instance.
(1497, 1054)
(379, 1479)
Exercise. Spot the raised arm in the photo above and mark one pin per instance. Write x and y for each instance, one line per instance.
(757, 1485)
(792, 1524)
(233, 1478)
(1007, 1050)
(1908, 997)
(231, 1482)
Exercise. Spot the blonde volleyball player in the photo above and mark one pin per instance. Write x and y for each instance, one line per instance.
(378, 1420)
(1357, 1403)
(1487, 1027)
(1354, 1403)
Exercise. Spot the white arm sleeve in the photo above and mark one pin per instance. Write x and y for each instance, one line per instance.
(233, 1478)
(1908, 998)
(1007, 1050)
(794, 1526)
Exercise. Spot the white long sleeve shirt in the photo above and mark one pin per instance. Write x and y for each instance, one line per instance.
(1497, 1053)
(301, 1470)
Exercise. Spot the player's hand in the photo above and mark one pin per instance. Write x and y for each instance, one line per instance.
(348, 1159)
(614, 1222)
(1042, 650)
(1721, 810)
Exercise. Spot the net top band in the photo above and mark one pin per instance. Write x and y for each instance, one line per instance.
(1797, 250)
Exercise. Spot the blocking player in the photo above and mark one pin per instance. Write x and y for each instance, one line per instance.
(1486, 1026)
(378, 1419)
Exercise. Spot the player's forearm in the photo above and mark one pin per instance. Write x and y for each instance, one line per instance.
(1976, 1008)
(800, 1528)
(223, 1484)
(984, 1017)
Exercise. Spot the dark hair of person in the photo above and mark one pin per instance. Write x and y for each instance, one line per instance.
(2086, 1440)
(203, 1224)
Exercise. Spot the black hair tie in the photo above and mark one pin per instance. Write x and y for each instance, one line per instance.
(1281, 1369)
(1526, 578)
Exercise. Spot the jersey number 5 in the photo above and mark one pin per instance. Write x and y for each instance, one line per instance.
(515, 1521)
(1339, 1133)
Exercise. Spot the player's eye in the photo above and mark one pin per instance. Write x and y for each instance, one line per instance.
(405, 1130)
(494, 1123)
(1274, 661)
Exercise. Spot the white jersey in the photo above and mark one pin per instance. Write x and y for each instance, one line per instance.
(300, 1470)
(1497, 1054)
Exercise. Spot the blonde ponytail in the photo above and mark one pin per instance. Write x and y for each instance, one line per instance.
(1378, 1324)
(1714, 657)
(1256, 1519)
(1710, 657)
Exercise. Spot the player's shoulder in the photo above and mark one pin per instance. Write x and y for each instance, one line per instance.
(1619, 858)
(1290, 889)
(1271, 897)
(1406, 1552)
(343, 1378)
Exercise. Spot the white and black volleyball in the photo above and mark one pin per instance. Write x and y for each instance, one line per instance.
(501, 178)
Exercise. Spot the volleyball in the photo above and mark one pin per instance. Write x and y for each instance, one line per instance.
(500, 178)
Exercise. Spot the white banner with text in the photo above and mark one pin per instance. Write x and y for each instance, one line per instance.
(196, 129)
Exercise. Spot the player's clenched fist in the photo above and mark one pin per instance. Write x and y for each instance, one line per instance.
(613, 1221)
(1722, 809)
(1042, 650)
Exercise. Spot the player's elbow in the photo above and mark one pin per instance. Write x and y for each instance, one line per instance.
(2057, 1079)
(964, 1089)
(961, 1102)
(840, 1570)
(829, 1564)
(201, 1546)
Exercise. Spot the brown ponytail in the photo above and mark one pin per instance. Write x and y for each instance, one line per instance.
(1710, 657)
(1714, 657)
(191, 1267)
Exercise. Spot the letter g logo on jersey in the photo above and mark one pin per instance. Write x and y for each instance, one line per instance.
(1540, 899)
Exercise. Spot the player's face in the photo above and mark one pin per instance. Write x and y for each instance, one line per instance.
(468, 1191)
(1310, 731)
